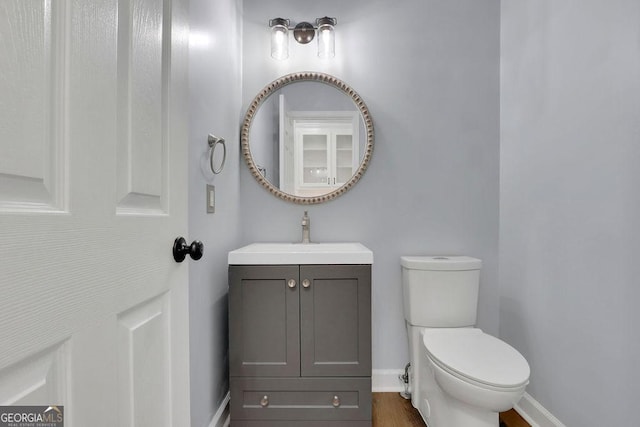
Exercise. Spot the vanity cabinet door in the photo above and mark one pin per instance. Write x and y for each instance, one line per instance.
(335, 320)
(264, 325)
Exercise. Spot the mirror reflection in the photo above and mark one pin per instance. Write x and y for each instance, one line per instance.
(307, 139)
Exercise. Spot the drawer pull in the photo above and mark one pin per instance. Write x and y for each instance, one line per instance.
(336, 401)
(264, 402)
(291, 283)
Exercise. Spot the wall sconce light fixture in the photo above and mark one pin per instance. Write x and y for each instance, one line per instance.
(303, 33)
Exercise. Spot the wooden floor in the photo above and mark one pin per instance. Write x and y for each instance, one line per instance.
(391, 410)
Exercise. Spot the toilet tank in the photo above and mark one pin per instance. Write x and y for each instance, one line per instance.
(440, 291)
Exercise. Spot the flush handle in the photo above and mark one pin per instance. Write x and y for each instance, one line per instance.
(306, 283)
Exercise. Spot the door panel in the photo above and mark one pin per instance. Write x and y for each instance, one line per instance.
(36, 378)
(143, 381)
(335, 312)
(335, 317)
(31, 107)
(264, 321)
(142, 72)
(93, 309)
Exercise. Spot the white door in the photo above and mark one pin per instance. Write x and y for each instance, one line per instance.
(93, 191)
(286, 160)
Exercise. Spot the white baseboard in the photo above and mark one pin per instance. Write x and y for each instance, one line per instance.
(222, 418)
(536, 414)
(386, 380)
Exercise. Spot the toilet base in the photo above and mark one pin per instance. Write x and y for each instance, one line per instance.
(471, 407)
(454, 413)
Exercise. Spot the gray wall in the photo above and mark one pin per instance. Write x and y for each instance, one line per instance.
(428, 71)
(569, 153)
(215, 96)
(570, 203)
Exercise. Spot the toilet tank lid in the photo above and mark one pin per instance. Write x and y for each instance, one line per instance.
(442, 263)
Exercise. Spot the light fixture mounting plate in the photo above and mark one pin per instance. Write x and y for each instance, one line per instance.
(304, 32)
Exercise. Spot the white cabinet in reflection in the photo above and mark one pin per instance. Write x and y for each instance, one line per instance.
(325, 153)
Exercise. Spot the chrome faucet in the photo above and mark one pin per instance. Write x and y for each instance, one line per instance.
(306, 228)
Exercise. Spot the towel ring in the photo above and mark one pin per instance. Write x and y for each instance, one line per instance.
(214, 141)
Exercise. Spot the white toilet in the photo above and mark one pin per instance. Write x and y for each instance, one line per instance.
(460, 376)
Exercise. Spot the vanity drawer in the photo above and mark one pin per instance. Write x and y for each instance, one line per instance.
(313, 399)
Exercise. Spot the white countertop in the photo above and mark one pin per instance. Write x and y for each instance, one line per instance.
(301, 253)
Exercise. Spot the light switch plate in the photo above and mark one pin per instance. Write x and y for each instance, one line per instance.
(211, 198)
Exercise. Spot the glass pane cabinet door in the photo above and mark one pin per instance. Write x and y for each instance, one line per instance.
(315, 159)
(344, 158)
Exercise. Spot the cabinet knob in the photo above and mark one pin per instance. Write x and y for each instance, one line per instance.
(335, 401)
(291, 283)
(264, 402)
(306, 283)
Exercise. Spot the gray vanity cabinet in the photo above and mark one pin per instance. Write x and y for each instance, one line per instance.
(300, 345)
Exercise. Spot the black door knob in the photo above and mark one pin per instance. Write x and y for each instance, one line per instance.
(181, 249)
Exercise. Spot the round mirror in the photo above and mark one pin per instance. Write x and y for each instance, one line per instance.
(307, 137)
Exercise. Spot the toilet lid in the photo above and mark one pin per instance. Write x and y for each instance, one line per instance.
(472, 354)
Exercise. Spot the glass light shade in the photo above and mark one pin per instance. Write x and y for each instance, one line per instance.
(326, 41)
(279, 41)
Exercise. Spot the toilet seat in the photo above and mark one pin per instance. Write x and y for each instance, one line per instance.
(473, 356)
